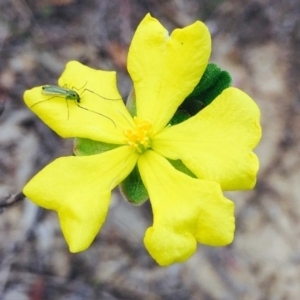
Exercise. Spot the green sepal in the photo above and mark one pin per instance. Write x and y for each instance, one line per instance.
(131, 103)
(133, 189)
(179, 116)
(178, 165)
(212, 84)
(84, 147)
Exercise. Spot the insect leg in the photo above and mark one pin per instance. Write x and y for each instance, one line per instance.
(51, 99)
(68, 109)
(42, 101)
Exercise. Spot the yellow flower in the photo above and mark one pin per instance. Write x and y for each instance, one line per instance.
(215, 145)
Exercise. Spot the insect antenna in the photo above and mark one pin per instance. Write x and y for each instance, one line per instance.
(105, 98)
(97, 113)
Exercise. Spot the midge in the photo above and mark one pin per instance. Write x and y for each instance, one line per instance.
(70, 94)
(59, 91)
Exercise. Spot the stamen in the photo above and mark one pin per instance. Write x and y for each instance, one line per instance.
(139, 137)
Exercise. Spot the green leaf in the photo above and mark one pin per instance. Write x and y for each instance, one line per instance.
(211, 84)
(223, 82)
(179, 116)
(208, 79)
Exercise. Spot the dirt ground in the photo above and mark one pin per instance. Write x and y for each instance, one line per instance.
(258, 42)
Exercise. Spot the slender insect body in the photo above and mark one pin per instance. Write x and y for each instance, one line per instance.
(69, 94)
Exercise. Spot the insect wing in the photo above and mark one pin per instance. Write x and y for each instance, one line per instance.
(54, 90)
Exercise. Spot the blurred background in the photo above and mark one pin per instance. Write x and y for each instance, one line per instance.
(258, 42)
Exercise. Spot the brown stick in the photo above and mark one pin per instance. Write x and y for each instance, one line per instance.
(2, 105)
(11, 200)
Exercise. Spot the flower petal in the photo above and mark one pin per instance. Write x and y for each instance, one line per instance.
(165, 69)
(216, 144)
(79, 189)
(101, 116)
(185, 209)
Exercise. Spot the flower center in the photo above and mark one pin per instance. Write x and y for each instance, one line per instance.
(139, 136)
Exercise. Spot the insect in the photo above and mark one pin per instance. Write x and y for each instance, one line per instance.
(71, 94)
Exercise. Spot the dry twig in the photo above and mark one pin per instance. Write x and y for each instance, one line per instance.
(11, 200)
(2, 105)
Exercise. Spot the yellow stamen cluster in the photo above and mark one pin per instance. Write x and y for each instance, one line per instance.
(139, 137)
